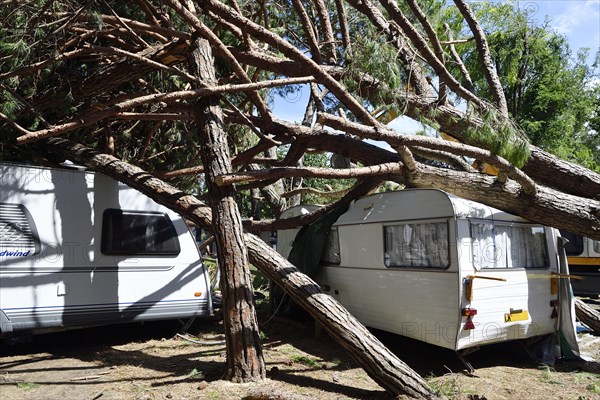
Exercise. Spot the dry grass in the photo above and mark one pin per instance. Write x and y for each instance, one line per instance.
(145, 362)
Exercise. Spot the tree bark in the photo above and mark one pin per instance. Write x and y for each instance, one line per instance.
(381, 365)
(245, 360)
(548, 206)
(588, 316)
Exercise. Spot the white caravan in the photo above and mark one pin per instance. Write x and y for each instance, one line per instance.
(440, 269)
(80, 249)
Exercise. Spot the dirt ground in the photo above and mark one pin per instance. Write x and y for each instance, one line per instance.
(148, 361)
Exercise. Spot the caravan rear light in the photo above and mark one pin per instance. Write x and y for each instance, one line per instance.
(469, 312)
(469, 325)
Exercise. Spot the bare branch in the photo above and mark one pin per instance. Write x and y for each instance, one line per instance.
(327, 31)
(484, 56)
(142, 59)
(91, 118)
(309, 190)
(220, 49)
(32, 68)
(134, 35)
(360, 189)
(458, 60)
(443, 156)
(343, 20)
(16, 126)
(138, 26)
(313, 43)
(292, 52)
(286, 172)
(179, 173)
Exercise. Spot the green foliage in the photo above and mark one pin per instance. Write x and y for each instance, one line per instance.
(502, 138)
(306, 360)
(444, 386)
(550, 92)
(27, 385)
(195, 374)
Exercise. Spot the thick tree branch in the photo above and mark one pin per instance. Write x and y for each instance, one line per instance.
(343, 21)
(309, 172)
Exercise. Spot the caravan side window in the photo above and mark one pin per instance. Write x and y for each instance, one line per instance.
(18, 234)
(574, 246)
(331, 251)
(505, 245)
(138, 233)
(417, 245)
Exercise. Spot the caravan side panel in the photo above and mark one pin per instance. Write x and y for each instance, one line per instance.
(69, 280)
(417, 303)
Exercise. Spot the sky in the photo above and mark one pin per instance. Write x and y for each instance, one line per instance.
(578, 20)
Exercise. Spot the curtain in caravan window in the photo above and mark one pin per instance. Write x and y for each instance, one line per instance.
(508, 246)
(417, 245)
(489, 249)
(526, 246)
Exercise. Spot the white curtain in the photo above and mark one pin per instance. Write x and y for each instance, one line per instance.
(508, 246)
(417, 245)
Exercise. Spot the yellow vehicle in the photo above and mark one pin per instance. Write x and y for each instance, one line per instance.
(583, 255)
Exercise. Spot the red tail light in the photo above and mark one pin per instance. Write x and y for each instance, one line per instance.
(469, 324)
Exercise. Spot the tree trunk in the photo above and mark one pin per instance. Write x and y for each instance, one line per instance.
(245, 360)
(381, 365)
(588, 316)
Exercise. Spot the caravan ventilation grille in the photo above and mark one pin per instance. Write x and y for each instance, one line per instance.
(17, 231)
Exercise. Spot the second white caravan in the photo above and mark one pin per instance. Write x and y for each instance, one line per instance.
(440, 269)
(80, 249)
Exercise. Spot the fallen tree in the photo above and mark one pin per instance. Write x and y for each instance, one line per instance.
(587, 315)
(381, 365)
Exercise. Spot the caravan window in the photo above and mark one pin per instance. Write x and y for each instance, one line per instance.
(498, 245)
(18, 235)
(138, 233)
(331, 251)
(417, 245)
(574, 246)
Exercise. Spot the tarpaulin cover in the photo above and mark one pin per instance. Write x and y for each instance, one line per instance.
(306, 253)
